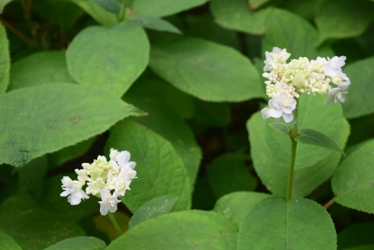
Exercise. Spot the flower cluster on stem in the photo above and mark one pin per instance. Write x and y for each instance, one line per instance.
(104, 179)
(287, 81)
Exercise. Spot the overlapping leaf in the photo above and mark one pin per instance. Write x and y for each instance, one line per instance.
(160, 170)
(275, 223)
(79, 243)
(47, 118)
(206, 70)
(359, 98)
(5, 57)
(271, 149)
(228, 173)
(236, 205)
(39, 68)
(162, 120)
(182, 231)
(353, 181)
(238, 15)
(343, 18)
(106, 57)
(290, 31)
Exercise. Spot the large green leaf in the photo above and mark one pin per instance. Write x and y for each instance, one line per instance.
(275, 223)
(153, 208)
(79, 243)
(206, 70)
(8, 243)
(353, 181)
(229, 173)
(107, 57)
(164, 7)
(238, 15)
(39, 68)
(162, 120)
(181, 230)
(314, 165)
(96, 12)
(343, 18)
(4, 59)
(236, 205)
(46, 118)
(160, 170)
(312, 114)
(290, 31)
(359, 98)
(34, 228)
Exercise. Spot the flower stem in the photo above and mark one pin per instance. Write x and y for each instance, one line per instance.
(115, 224)
(291, 170)
(125, 5)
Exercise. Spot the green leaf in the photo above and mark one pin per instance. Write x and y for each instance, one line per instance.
(112, 6)
(342, 19)
(79, 243)
(162, 120)
(270, 150)
(313, 137)
(290, 31)
(8, 243)
(356, 235)
(229, 173)
(281, 127)
(312, 114)
(39, 68)
(236, 205)
(52, 201)
(5, 57)
(69, 153)
(31, 176)
(112, 63)
(353, 180)
(181, 230)
(155, 23)
(152, 209)
(96, 12)
(160, 170)
(47, 118)
(359, 99)
(164, 7)
(206, 70)
(238, 15)
(35, 229)
(150, 86)
(275, 223)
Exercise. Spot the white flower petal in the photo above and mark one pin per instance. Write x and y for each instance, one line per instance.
(288, 117)
(275, 113)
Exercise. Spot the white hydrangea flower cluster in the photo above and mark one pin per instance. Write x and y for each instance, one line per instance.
(286, 81)
(104, 179)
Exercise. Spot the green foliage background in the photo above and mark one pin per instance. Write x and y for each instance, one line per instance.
(179, 85)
